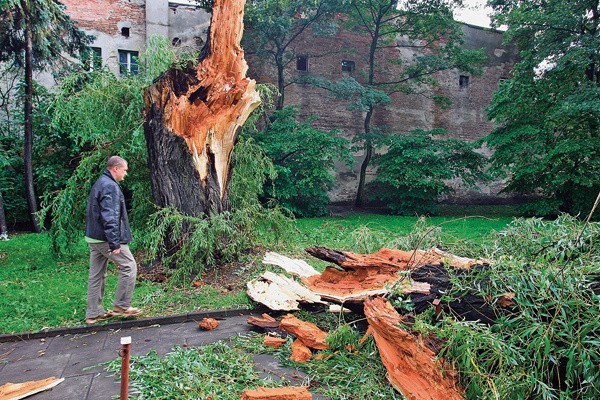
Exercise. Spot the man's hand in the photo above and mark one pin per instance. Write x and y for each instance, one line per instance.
(115, 251)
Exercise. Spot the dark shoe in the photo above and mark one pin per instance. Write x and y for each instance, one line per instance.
(129, 312)
(99, 318)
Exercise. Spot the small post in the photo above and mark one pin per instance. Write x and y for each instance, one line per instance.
(125, 353)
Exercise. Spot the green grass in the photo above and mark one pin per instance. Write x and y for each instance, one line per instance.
(39, 291)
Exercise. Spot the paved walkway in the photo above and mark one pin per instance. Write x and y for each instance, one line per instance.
(75, 355)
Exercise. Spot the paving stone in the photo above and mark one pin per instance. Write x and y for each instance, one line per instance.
(146, 339)
(34, 369)
(72, 388)
(104, 386)
(23, 350)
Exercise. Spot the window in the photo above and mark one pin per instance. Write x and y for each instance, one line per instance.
(176, 42)
(92, 59)
(302, 63)
(128, 62)
(348, 66)
(125, 31)
(463, 82)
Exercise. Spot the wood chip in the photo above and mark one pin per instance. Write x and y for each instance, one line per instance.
(16, 391)
(307, 332)
(286, 393)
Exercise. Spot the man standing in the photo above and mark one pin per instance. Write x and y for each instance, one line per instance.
(107, 233)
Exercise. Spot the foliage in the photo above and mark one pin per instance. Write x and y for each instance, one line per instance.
(304, 159)
(415, 169)
(52, 32)
(547, 347)
(548, 138)
(214, 371)
(274, 25)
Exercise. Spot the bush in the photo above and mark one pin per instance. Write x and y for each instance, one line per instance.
(413, 172)
(304, 160)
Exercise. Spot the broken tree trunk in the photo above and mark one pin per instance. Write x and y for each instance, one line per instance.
(193, 117)
(412, 367)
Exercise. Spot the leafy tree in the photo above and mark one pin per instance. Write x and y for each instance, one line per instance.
(414, 170)
(33, 34)
(304, 160)
(274, 25)
(422, 26)
(548, 113)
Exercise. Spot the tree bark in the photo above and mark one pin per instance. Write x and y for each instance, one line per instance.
(28, 149)
(3, 227)
(193, 118)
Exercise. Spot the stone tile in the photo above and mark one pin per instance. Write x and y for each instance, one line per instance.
(104, 386)
(73, 388)
(34, 369)
(144, 340)
(74, 343)
(23, 350)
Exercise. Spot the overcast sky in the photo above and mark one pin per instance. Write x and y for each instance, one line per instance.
(474, 13)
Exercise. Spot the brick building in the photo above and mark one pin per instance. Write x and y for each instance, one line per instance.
(123, 27)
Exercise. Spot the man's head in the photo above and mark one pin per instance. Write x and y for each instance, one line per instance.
(117, 166)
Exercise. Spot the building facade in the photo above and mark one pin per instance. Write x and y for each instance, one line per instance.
(123, 28)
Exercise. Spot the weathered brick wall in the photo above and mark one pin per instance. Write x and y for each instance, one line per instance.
(104, 15)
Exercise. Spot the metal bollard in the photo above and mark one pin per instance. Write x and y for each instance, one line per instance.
(125, 353)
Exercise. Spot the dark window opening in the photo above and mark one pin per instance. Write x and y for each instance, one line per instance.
(199, 41)
(348, 66)
(125, 31)
(128, 62)
(463, 81)
(176, 42)
(302, 63)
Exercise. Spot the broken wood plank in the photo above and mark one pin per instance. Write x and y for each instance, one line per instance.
(307, 332)
(292, 266)
(280, 293)
(412, 367)
(16, 391)
(265, 322)
(300, 352)
(275, 342)
(285, 393)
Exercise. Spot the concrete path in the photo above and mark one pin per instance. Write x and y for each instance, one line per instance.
(75, 355)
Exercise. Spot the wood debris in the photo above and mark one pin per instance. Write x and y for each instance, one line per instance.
(273, 341)
(300, 352)
(411, 365)
(16, 391)
(208, 324)
(286, 393)
(265, 322)
(279, 292)
(292, 266)
(307, 332)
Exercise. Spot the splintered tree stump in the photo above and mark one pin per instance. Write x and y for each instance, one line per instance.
(285, 393)
(193, 117)
(307, 332)
(412, 367)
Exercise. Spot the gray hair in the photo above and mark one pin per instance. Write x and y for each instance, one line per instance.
(115, 161)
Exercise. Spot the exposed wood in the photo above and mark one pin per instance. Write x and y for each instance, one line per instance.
(292, 266)
(285, 393)
(273, 341)
(307, 332)
(279, 292)
(193, 117)
(16, 391)
(300, 352)
(411, 365)
(208, 324)
(265, 322)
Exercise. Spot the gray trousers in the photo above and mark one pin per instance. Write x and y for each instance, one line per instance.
(99, 257)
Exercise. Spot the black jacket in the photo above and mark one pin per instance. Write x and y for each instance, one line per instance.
(106, 217)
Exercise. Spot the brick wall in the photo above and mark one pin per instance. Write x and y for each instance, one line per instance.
(104, 15)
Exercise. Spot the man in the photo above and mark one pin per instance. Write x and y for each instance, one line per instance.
(107, 233)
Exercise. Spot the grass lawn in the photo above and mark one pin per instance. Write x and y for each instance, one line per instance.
(39, 291)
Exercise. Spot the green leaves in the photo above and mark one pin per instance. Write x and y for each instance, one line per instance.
(415, 170)
(304, 159)
(548, 140)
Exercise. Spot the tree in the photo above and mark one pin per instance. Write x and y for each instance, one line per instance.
(424, 27)
(194, 116)
(33, 34)
(548, 113)
(272, 27)
(304, 159)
